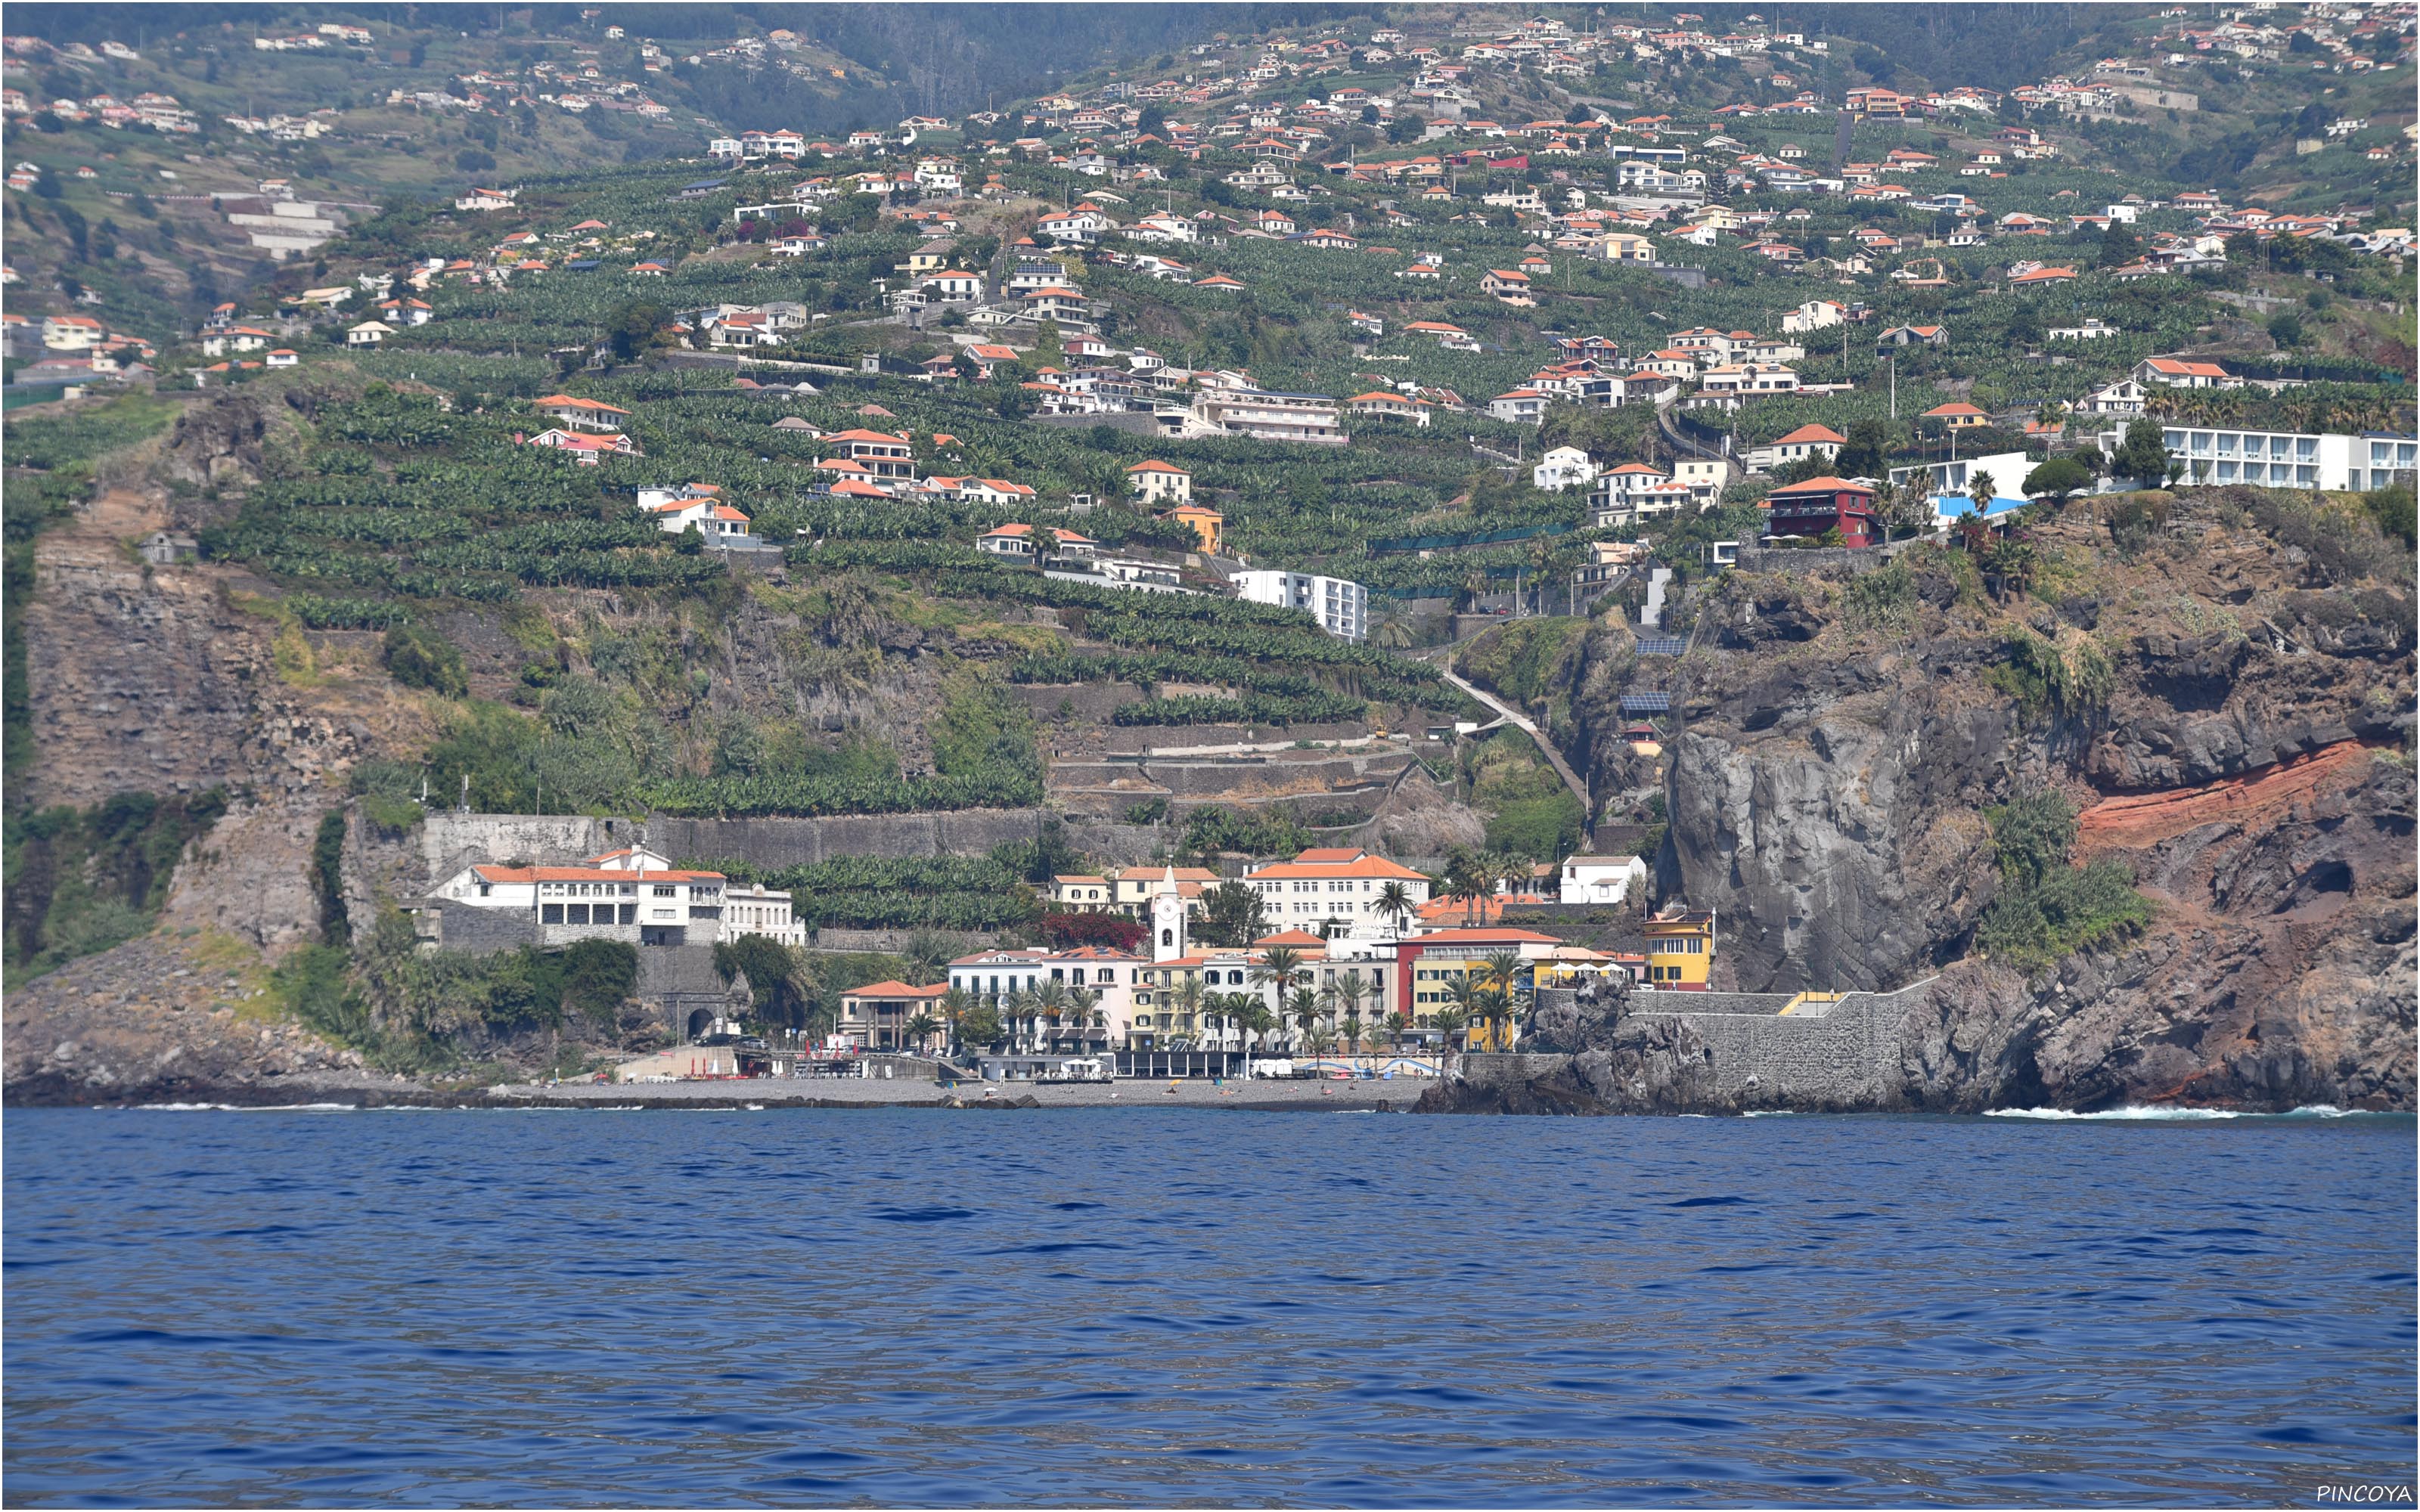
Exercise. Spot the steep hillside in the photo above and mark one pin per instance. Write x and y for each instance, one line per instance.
(2150, 816)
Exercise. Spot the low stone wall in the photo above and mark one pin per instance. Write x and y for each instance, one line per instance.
(1647, 1000)
(483, 930)
(771, 842)
(445, 841)
(1142, 740)
(1809, 559)
(1092, 702)
(450, 841)
(891, 940)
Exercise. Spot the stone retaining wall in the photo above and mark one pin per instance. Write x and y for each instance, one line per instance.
(1836, 1057)
(1810, 557)
(1844, 1054)
(860, 941)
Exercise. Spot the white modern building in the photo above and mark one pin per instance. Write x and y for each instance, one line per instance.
(2284, 459)
(1261, 414)
(1341, 605)
(1602, 879)
(2008, 470)
(1564, 467)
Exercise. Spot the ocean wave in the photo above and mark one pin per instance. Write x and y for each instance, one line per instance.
(2134, 1113)
(245, 1107)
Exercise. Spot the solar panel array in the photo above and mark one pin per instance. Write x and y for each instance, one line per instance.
(1647, 704)
(1663, 645)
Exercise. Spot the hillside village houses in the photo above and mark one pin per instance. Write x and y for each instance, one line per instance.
(1366, 939)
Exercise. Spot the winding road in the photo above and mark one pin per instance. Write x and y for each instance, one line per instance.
(1509, 715)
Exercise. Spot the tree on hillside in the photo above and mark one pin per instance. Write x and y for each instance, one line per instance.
(2144, 453)
(1867, 449)
(2059, 477)
(1232, 915)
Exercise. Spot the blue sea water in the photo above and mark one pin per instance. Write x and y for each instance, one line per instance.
(1130, 1306)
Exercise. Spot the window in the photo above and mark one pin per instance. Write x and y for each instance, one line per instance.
(576, 913)
(485, 890)
(551, 914)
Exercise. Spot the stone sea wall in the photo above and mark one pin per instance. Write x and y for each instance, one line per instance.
(1729, 1052)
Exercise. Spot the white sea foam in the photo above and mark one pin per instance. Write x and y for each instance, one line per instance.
(245, 1107)
(2166, 1114)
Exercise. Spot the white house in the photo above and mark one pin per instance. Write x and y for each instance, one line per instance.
(1341, 605)
(368, 333)
(1339, 885)
(2123, 397)
(1602, 879)
(1805, 442)
(633, 895)
(2185, 373)
(757, 910)
(1520, 406)
(1564, 467)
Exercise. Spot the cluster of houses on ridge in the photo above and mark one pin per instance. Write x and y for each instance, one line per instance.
(881, 465)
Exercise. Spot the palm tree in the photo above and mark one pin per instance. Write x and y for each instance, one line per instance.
(1188, 1001)
(1279, 966)
(1465, 997)
(1395, 903)
(1394, 633)
(1051, 1001)
(1477, 880)
(1350, 990)
(1447, 1021)
(1352, 1025)
(1304, 1005)
(1502, 970)
(1020, 1005)
(925, 955)
(921, 1029)
(1256, 1019)
(955, 1004)
(1084, 1004)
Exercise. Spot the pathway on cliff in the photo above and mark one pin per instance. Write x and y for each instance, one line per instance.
(1571, 778)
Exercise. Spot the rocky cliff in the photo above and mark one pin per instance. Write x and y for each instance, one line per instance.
(2230, 711)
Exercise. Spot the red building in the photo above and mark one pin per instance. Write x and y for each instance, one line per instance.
(1820, 504)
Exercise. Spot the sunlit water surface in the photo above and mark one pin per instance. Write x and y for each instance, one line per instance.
(1149, 1306)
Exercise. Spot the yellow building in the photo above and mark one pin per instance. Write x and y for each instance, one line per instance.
(1680, 948)
(1206, 523)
